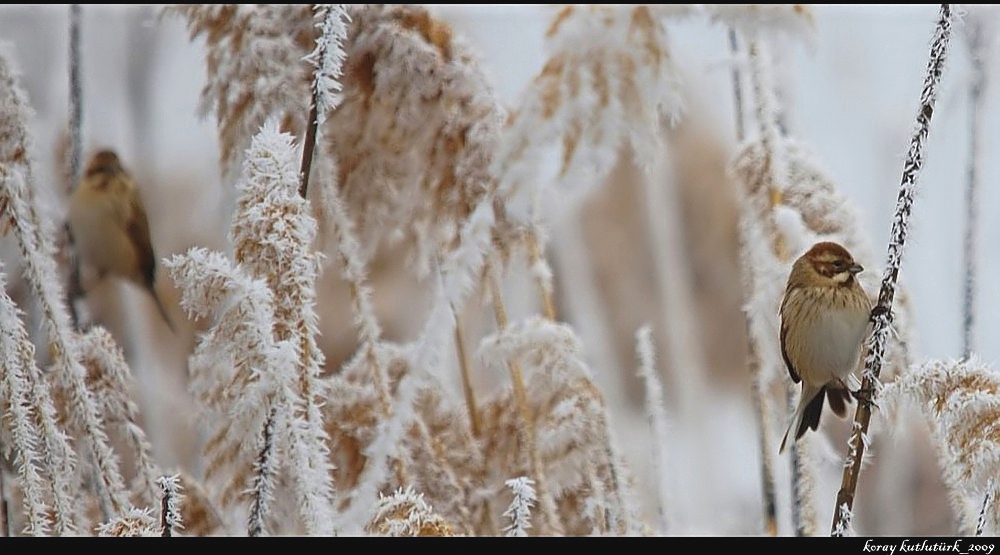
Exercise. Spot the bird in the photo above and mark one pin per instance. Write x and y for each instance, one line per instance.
(825, 313)
(108, 224)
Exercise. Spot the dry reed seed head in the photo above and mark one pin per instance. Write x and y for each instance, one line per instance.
(446, 459)
(20, 435)
(438, 447)
(133, 523)
(15, 112)
(328, 57)
(961, 401)
(110, 378)
(197, 512)
(569, 416)
(415, 132)
(255, 69)
(405, 514)
(609, 78)
(236, 369)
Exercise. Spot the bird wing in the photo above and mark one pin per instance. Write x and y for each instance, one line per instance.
(137, 227)
(784, 352)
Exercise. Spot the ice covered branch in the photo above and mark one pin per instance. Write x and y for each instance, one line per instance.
(327, 61)
(882, 315)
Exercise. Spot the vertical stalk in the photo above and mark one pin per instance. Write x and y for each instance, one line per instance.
(524, 409)
(309, 144)
(974, 35)
(758, 397)
(263, 480)
(882, 314)
(74, 287)
(535, 258)
(984, 510)
(463, 365)
(75, 95)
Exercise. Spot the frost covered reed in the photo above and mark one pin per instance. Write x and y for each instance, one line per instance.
(368, 140)
(959, 400)
(883, 313)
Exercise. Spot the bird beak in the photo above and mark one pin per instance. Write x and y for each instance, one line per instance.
(856, 269)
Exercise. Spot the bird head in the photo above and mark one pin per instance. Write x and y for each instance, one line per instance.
(829, 261)
(104, 161)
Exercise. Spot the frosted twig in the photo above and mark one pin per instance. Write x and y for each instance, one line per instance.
(657, 417)
(17, 371)
(882, 315)
(987, 501)
(264, 476)
(170, 516)
(519, 511)
(327, 60)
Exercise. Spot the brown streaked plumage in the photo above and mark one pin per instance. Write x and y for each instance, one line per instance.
(109, 225)
(824, 320)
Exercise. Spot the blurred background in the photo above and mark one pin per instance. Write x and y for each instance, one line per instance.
(850, 94)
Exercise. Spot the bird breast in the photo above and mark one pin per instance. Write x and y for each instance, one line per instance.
(96, 220)
(828, 344)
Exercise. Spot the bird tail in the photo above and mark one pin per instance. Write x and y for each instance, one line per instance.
(162, 309)
(806, 415)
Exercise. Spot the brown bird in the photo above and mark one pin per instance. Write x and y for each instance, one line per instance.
(824, 319)
(109, 226)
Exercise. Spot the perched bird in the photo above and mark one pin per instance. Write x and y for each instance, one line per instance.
(824, 319)
(109, 226)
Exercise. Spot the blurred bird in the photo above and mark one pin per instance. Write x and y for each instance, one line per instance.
(824, 319)
(109, 226)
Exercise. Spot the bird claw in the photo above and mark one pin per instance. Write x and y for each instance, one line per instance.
(865, 396)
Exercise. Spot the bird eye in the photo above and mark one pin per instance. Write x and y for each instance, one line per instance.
(839, 265)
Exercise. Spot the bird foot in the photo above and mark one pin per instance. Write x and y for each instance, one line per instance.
(865, 396)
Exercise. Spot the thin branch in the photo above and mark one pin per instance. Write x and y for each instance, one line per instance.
(308, 146)
(328, 60)
(882, 314)
(734, 49)
(987, 501)
(74, 287)
(170, 516)
(463, 365)
(541, 271)
(75, 95)
(263, 479)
